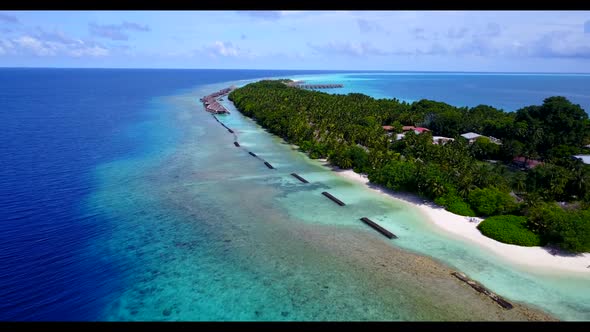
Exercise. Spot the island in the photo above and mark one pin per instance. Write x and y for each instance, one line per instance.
(520, 172)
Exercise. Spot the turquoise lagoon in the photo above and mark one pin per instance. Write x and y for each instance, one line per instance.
(204, 231)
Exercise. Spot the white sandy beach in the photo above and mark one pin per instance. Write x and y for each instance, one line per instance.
(460, 226)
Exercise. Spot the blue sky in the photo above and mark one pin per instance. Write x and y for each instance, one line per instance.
(530, 41)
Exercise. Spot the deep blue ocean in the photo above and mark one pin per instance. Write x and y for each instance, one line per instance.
(58, 126)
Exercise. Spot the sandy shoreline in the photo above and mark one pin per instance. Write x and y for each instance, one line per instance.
(460, 226)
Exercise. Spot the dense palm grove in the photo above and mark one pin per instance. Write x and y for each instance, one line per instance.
(551, 200)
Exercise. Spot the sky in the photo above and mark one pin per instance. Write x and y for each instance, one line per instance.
(483, 41)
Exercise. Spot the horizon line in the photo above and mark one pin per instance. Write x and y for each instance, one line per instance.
(322, 70)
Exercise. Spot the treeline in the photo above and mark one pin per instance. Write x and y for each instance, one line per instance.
(347, 129)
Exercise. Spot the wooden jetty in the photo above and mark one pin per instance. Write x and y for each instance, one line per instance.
(303, 85)
(219, 93)
(299, 178)
(268, 165)
(212, 105)
(336, 200)
(480, 288)
(378, 228)
(237, 144)
(320, 86)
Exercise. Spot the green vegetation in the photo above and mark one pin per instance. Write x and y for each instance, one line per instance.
(571, 229)
(484, 149)
(491, 201)
(509, 229)
(347, 130)
(455, 204)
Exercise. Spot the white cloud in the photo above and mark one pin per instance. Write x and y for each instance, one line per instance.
(270, 15)
(457, 33)
(368, 26)
(34, 45)
(273, 15)
(116, 31)
(564, 44)
(348, 48)
(94, 51)
(225, 49)
(292, 12)
(53, 47)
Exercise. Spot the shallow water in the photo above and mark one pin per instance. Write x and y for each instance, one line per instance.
(213, 234)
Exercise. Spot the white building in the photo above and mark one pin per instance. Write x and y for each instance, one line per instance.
(435, 139)
(584, 157)
(471, 137)
(441, 140)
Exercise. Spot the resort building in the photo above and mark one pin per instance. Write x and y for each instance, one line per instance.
(441, 140)
(584, 157)
(471, 137)
(388, 129)
(417, 130)
(523, 162)
(435, 139)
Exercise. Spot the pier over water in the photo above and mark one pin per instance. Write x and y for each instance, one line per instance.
(320, 86)
(302, 85)
(212, 105)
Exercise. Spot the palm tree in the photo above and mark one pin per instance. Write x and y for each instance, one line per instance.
(436, 188)
(519, 182)
(532, 200)
(345, 162)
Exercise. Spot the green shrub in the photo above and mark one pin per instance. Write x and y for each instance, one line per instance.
(461, 208)
(491, 201)
(570, 229)
(509, 229)
(483, 148)
(397, 175)
(455, 204)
